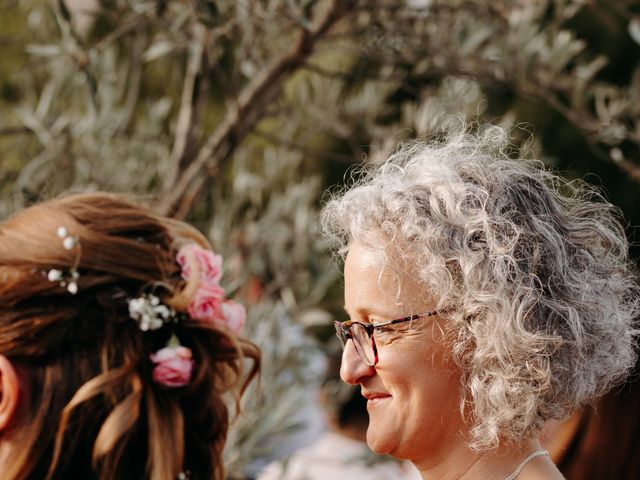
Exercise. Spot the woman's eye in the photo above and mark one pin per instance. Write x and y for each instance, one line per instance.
(386, 334)
(385, 329)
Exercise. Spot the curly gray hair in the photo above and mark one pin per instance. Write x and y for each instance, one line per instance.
(533, 271)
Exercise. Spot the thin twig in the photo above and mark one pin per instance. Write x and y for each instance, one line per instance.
(326, 73)
(132, 22)
(135, 77)
(242, 116)
(629, 167)
(586, 124)
(8, 131)
(185, 119)
(312, 152)
(182, 209)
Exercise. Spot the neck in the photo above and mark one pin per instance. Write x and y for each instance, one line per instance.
(462, 463)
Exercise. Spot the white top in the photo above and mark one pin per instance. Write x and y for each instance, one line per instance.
(335, 457)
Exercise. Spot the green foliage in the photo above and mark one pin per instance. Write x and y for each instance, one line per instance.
(237, 114)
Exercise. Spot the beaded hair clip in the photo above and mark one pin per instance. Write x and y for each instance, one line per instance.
(67, 278)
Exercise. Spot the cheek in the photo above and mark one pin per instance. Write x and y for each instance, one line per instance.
(424, 372)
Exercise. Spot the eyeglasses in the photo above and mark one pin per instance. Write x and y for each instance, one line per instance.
(362, 335)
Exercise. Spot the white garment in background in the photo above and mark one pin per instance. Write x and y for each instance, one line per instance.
(335, 457)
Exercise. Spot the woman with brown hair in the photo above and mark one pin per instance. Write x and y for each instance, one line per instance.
(117, 345)
(600, 440)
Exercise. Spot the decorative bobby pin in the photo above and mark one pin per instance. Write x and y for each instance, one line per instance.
(67, 278)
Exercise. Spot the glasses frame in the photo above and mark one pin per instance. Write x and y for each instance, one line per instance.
(343, 332)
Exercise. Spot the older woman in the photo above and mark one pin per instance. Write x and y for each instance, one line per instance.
(485, 296)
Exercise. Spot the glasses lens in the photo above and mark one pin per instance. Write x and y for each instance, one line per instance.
(340, 333)
(363, 343)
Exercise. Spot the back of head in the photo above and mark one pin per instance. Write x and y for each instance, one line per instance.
(69, 269)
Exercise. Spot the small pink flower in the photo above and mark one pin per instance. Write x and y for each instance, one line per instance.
(210, 264)
(206, 304)
(173, 366)
(234, 315)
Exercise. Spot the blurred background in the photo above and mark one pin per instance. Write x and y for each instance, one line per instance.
(238, 115)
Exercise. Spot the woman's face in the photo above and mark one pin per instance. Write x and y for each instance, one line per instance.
(414, 391)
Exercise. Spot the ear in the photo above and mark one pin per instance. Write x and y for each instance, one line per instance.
(9, 392)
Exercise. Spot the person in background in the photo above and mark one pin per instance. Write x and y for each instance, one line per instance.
(341, 452)
(599, 441)
(118, 346)
(486, 296)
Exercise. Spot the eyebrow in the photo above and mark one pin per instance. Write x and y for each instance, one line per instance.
(369, 312)
(359, 310)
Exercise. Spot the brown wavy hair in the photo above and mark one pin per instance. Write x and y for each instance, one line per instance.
(92, 409)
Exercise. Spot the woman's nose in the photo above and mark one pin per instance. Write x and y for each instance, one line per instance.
(353, 369)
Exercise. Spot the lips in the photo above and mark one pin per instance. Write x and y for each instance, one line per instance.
(376, 397)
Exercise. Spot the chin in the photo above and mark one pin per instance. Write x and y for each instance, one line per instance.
(380, 443)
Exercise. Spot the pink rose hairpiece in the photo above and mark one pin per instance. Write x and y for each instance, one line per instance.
(173, 364)
(208, 302)
(202, 269)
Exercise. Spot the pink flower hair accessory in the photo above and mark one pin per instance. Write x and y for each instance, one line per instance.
(208, 302)
(235, 315)
(209, 264)
(173, 364)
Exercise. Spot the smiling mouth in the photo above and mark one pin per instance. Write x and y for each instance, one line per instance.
(375, 398)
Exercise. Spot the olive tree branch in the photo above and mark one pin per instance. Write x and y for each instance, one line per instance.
(248, 109)
(9, 131)
(186, 114)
